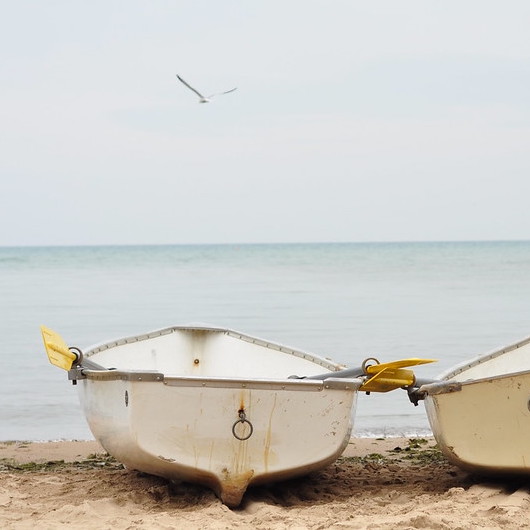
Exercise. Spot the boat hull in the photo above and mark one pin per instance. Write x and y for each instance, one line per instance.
(482, 423)
(226, 433)
(195, 433)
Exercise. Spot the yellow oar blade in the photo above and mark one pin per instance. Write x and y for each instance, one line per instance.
(392, 375)
(57, 350)
(402, 363)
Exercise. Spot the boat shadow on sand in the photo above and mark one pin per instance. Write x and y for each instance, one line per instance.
(397, 474)
(403, 472)
(410, 470)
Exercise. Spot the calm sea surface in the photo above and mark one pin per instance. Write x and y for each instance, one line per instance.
(448, 301)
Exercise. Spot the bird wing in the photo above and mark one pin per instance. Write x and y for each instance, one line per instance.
(221, 93)
(190, 87)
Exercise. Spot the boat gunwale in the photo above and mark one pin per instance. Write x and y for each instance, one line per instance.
(332, 383)
(480, 359)
(449, 386)
(316, 359)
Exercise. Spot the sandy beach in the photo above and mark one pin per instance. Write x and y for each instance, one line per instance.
(377, 483)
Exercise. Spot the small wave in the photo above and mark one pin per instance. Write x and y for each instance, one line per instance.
(393, 433)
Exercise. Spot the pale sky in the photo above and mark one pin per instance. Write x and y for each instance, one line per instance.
(353, 121)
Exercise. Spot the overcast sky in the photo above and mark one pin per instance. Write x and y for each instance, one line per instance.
(353, 121)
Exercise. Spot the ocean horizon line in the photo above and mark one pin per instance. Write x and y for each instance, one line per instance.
(271, 243)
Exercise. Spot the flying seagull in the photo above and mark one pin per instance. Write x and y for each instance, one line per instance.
(203, 99)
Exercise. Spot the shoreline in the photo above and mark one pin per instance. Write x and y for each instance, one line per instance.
(377, 483)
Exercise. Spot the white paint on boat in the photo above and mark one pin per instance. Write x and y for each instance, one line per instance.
(480, 411)
(216, 407)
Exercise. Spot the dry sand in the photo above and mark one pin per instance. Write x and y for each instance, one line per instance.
(373, 485)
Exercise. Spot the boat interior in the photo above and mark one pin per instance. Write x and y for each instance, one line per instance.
(206, 352)
(508, 360)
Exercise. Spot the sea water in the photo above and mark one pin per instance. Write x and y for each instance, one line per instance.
(444, 301)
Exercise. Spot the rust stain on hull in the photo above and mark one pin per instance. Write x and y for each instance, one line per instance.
(233, 487)
(268, 437)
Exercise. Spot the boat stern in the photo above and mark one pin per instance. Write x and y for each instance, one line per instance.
(482, 425)
(225, 434)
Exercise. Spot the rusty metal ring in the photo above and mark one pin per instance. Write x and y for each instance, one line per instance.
(242, 419)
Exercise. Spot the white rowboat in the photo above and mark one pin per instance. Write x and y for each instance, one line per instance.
(480, 411)
(211, 406)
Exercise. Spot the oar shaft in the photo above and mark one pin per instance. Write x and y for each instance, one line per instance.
(423, 381)
(91, 365)
(347, 373)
